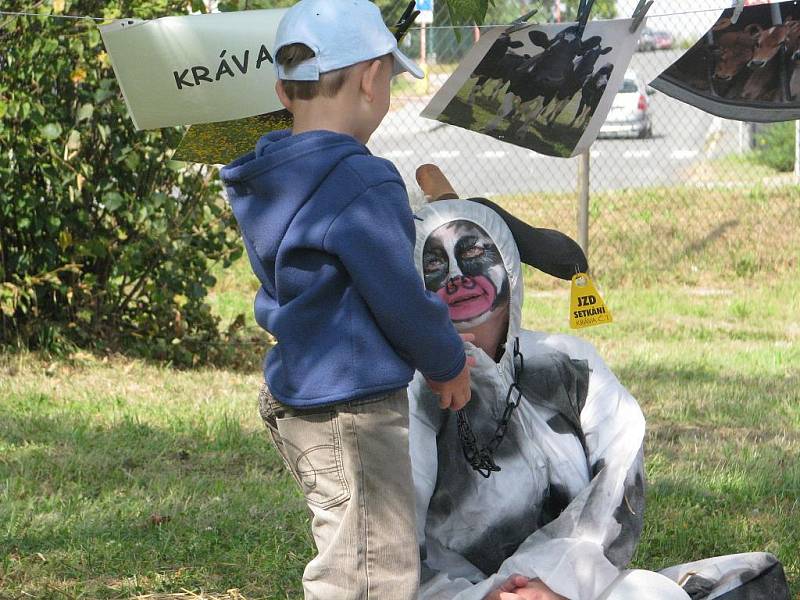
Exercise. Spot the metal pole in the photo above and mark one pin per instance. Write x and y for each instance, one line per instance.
(583, 202)
(423, 43)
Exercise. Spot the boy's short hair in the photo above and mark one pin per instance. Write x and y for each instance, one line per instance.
(328, 84)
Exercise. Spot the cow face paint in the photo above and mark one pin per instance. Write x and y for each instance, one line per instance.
(462, 265)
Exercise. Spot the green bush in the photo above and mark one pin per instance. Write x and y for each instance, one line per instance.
(775, 146)
(103, 240)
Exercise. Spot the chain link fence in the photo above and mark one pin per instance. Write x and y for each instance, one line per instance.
(688, 200)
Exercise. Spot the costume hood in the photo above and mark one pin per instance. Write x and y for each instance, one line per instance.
(547, 250)
(434, 215)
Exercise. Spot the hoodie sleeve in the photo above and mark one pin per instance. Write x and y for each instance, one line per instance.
(374, 238)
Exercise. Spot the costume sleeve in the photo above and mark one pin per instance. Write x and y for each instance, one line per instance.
(581, 552)
(424, 425)
(374, 239)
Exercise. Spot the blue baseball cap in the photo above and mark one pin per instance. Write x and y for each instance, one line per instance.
(341, 33)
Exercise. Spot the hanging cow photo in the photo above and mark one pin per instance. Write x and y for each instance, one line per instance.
(543, 87)
(745, 68)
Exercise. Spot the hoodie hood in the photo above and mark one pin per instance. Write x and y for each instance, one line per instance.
(269, 186)
(436, 214)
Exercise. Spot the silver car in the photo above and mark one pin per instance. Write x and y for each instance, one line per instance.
(630, 114)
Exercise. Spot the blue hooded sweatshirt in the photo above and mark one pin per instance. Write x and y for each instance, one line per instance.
(330, 236)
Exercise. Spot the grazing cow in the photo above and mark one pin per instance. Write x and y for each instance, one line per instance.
(540, 77)
(555, 71)
(591, 93)
(582, 72)
(497, 61)
(733, 50)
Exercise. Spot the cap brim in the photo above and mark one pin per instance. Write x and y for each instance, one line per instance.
(403, 63)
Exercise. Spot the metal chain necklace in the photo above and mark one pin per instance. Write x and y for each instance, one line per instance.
(482, 458)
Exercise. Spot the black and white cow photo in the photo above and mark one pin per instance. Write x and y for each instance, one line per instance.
(543, 87)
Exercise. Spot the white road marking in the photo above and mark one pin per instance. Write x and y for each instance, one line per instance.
(397, 153)
(446, 154)
(636, 154)
(682, 154)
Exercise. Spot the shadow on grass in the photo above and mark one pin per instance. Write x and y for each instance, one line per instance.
(702, 243)
(131, 508)
(721, 458)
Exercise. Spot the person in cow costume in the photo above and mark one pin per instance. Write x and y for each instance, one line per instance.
(535, 490)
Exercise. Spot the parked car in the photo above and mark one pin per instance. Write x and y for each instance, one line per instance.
(630, 114)
(663, 40)
(647, 40)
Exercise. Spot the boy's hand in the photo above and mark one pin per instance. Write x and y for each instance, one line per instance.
(455, 393)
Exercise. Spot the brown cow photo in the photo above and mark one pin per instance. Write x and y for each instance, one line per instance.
(747, 70)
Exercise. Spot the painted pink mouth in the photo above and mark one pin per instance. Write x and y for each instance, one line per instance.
(466, 303)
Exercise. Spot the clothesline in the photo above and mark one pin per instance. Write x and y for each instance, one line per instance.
(29, 14)
(649, 16)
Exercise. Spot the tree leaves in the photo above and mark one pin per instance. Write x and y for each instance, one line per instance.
(80, 186)
(113, 201)
(464, 12)
(51, 131)
(85, 112)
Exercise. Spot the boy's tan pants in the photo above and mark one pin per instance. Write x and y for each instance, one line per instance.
(351, 461)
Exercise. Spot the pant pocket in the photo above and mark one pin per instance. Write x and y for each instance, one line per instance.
(313, 449)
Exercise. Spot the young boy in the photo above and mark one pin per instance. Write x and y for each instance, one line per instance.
(330, 235)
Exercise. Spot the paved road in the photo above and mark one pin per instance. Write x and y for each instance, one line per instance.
(481, 164)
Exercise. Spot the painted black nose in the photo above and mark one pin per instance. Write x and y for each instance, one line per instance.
(459, 281)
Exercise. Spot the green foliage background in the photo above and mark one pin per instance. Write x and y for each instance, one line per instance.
(103, 240)
(775, 146)
(454, 12)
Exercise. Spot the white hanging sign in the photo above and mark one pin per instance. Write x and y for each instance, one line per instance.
(195, 68)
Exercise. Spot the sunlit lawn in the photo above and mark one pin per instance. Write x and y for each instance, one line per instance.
(120, 478)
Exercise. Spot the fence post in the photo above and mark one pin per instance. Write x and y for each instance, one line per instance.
(583, 202)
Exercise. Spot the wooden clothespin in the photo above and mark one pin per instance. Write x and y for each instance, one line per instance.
(641, 10)
(738, 7)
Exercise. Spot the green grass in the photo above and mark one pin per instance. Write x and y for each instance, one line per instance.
(701, 234)
(482, 110)
(716, 372)
(120, 478)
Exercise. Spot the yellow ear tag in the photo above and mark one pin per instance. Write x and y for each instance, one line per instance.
(586, 307)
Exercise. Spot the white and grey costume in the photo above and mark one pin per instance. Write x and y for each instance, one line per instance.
(567, 505)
